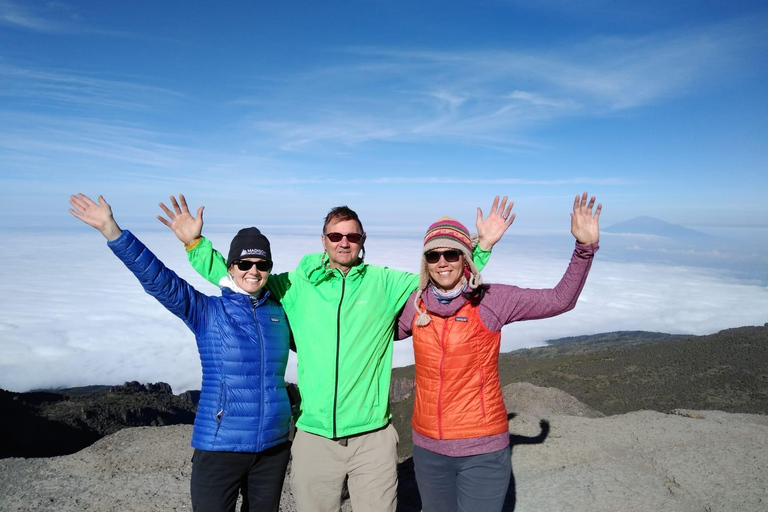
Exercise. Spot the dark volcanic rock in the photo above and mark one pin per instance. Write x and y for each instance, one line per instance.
(136, 388)
(401, 389)
(191, 395)
(24, 432)
(44, 424)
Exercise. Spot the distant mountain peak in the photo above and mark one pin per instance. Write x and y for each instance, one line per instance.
(646, 225)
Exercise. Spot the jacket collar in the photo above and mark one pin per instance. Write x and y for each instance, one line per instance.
(229, 288)
(315, 268)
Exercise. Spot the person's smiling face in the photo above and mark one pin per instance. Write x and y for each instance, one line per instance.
(343, 254)
(446, 275)
(251, 280)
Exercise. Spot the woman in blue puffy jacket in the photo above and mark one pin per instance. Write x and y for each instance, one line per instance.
(241, 428)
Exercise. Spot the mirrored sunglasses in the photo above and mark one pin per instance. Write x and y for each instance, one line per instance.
(245, 265)
(451, 256)
(353, 238)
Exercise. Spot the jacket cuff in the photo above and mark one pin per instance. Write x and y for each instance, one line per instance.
(120, 241)
(587, 250)
(191, 246)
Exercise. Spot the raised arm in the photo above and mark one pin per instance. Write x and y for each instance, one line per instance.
(584, 223)
(507, 304)
(492, 228)
(510, 303)
(97, 215)
(187, 228)
(157, 280)
(208, 262)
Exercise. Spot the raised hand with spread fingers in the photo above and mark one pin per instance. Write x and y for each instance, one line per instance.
(584, 223)
(492, 228)
(97, 215)
(187, 228)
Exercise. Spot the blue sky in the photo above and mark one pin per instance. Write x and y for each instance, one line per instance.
(270, 113)
(275, 111)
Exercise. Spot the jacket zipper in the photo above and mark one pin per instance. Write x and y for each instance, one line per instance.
(482, 391)
(220, 412)
(338, 349)
(263, 373)
(440, 386)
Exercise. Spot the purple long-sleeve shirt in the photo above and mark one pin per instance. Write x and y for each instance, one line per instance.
(501, 305)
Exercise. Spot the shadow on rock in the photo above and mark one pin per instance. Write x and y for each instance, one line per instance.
(515, 440)
(408, 498)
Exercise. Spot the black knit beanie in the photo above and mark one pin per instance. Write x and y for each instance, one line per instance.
(249, 243)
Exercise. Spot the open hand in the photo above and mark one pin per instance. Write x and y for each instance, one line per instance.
(186, 227)
(492, 228)
(584, 224)
(97, 215)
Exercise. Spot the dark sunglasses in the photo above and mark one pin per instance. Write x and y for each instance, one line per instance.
(451, 256)
(245, 265)
(353, 238)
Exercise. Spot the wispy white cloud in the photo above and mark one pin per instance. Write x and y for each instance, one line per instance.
(55, 18)
(493, 96)
(613, 13)
(495, 181)
(539, 99)
(56, 89)
(38, 20)
(352, 132)
(84, 152)
(85, 144)
(452, 102)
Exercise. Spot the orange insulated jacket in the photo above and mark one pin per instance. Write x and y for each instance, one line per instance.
(458, 394)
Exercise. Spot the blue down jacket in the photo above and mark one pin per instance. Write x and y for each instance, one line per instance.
(243, 346)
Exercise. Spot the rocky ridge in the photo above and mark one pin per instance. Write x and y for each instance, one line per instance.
(40, 424)
(576, 460)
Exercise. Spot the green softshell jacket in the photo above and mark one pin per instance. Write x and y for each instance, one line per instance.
(343, 327)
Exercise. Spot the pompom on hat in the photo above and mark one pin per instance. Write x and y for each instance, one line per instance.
(450, 233)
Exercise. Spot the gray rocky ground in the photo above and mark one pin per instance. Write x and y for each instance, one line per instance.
(642, 461)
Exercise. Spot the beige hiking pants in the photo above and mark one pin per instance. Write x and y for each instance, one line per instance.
(320, 465)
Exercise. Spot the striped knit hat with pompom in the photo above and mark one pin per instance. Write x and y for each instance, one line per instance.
(449, 233)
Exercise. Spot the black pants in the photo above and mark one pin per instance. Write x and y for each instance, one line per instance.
(218, 477)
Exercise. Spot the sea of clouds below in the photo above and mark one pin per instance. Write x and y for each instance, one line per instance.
(72, 315)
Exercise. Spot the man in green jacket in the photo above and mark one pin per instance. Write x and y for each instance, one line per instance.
(342, 313)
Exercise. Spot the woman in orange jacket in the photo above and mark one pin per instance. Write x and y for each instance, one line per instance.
(460, 433)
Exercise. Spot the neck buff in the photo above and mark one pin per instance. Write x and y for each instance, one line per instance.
(446, 297)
